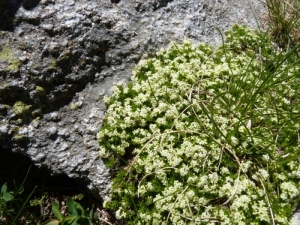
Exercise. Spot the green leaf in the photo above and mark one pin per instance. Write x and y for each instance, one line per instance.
(70, 220)
(52, 222)
(7, 197)
(55, 210)
(84, 221)
(3, 189)
(91, 214)
(79, 196)
(79, 209)
(71, 206)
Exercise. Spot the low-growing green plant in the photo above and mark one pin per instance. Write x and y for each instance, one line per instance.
(207, 136)
(27, 198)
(5, 197)
(76, 214)
(12, 204)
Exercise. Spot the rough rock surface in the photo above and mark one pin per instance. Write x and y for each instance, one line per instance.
(58, 58)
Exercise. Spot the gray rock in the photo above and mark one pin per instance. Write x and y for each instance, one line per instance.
(63, 147)
(4, 128)
(65, 56)
(52, 131)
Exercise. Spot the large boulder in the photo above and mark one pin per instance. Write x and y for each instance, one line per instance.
(59, 58)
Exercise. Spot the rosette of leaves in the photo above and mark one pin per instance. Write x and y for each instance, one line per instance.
(206, 136)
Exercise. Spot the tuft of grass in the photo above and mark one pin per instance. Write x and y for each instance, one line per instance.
(282, 20)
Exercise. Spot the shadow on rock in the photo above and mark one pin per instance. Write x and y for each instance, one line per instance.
(8, 9)
(37, 186)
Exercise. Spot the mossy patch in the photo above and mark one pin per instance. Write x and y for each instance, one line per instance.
(52, 65)
(40, 90)
(7, 55)
(20, 139)
(22, 111)
(73, 106)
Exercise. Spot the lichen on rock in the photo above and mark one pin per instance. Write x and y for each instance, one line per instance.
(20, 113)
(13, 63)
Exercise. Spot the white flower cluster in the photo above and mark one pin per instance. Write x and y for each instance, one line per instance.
(204, 137)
